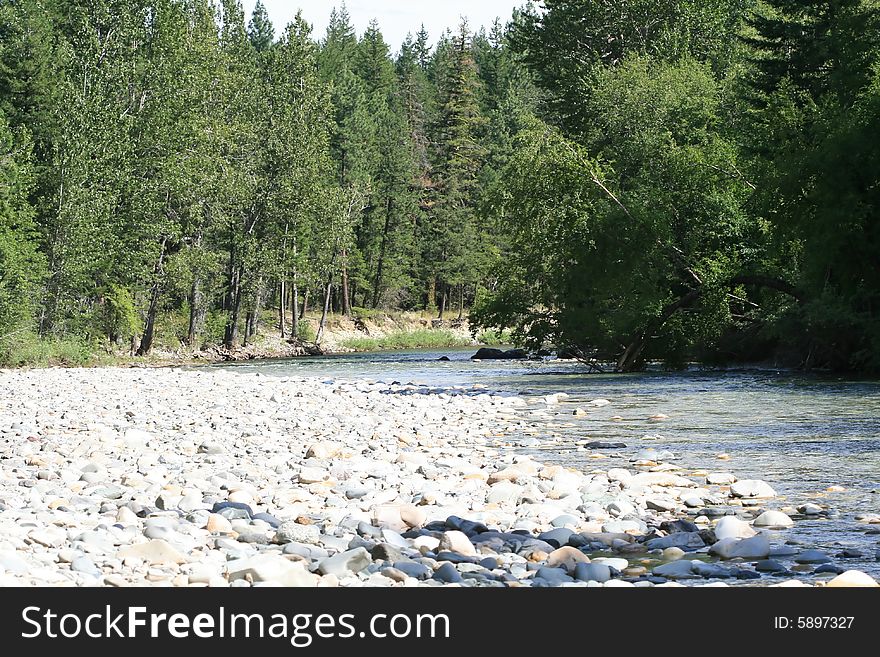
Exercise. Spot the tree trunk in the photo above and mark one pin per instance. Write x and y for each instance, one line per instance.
(231, 335)
(380, 267)
(281, 309)
(153, 311)
(327, 296)
(431, 301)
(443, 302)
(305, 308)
(252, 323)
(196, 316)
(461, 302)
(346, 303)
(294, 309)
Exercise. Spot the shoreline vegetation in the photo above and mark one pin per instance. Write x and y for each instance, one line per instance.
(215, 478)
(377, 332)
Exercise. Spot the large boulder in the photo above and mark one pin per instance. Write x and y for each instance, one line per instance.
(489, 353)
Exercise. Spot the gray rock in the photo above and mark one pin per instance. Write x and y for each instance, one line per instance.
(683, 540)
(385, 552)
(345, 564)
(554, 576)
(770, 566)
(291, 532)
(811, 557)
(557, 537)
(592, 572)
(447, 574)
(756, 547)
(682, 569)
(253, 537)
(414, 569)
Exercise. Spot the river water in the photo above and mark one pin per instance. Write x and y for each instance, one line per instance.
(799, 433)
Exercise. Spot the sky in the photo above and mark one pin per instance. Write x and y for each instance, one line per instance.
(396, 17)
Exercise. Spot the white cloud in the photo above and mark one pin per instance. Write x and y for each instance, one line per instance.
(396, 17)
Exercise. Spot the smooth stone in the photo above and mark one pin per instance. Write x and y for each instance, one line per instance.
(156, 552)
(272, 569)
(413, 515)
(672, 554)
(810, 509)
(217, 524)
(564, 520)
(730, 527)
(229, 509)
(557, 537)
(829, 568)
(773, 519)
(12, 563)
(756, 547)
(125, 516)
(752, 488)
(567, 558)
(682, 569)
(50, 537)
(86, 566)
(456, 541)
(592, 572)
(684, 540)
(346, 563)
(553, 576)
(770, 566)
(720, 478)
(853, 578)
(253, 538)
(811, 557)
(447, 574)
(385, 552)
(413, 569)
(292, 532)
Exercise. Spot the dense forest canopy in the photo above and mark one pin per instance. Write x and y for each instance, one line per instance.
(629, 180)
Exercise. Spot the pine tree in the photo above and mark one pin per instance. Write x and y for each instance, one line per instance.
(261, 32)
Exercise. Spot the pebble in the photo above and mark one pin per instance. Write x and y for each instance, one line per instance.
(293, 532)
(271, 569)
(812, 557)
(156, 552)
(773, 519)
(346, 563)
(447, 574)
(592, 572)
(730, 527)
(757, 548)
(752, 488)
(458, 542)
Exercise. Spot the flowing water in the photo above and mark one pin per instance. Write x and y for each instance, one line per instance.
(799, 433)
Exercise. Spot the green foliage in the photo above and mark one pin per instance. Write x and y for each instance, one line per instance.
(305, 331)
(29, 350)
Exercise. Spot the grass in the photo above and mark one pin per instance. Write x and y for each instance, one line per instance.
(492, 338)
(420, 339)
(29, 350)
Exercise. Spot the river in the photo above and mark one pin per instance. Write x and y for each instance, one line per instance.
(799, 433)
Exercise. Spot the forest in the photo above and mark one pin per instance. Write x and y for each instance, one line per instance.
(632, 181)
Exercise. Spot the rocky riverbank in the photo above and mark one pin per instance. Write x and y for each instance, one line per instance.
(190, 478)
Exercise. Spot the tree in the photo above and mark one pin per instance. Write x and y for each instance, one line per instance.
(813, 95)
(21, 265)
(261, 32)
